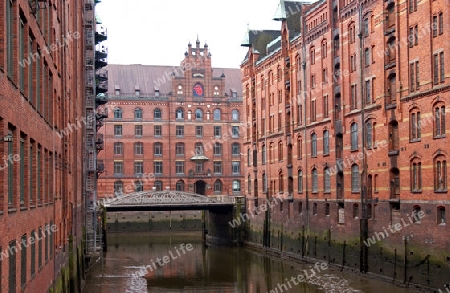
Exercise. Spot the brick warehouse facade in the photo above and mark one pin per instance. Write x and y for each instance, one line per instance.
(347, 106)
(40, 200)
(173, 127)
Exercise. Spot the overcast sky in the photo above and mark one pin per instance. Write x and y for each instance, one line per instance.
(157, 32)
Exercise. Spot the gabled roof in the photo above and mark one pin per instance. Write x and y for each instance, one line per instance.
(156, 77)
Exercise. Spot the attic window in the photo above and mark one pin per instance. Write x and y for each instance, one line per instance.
(156, 92)
(117, 90)
(234, 94)
(137, 91)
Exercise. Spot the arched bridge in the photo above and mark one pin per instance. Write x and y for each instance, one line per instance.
(168, 200)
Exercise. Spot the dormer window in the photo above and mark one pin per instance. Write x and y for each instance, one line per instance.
(180, 90)
(216, 91)
(234, 95)
(137, 91)
(156, 93)
(117, 90)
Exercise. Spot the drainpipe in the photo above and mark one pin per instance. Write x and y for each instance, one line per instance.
(363, 265)
(304, 131)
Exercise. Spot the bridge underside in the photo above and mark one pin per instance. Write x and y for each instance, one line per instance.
(168, 200)
(169, 207)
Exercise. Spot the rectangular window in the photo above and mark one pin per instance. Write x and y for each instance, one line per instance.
(435, 25)
(23, 260)
(235, 131)
(313, 110)
(324, 76)
(22, 171)
(138, 167)
(40, 248)
(236, 167)
(118, 130)
(352, 63)
(325, 106)
(436, 69)
(138, 130)
(366, 56)
(441, 65)
(199, 131)
(158, 167)
(33, 253)
(441, 23)
(279, 123)
(368, 92)
(217, 131)
(179, 149)
(12, 266)
(313, 80)
(118, 168)
(157, 131)
(138, 148)
(179, 167)
(30, 70)
(22, 55)
(353, 97)
(218, 167)
(9, 38)
(180, 131)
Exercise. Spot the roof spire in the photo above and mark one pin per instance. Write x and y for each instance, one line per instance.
(280, 14)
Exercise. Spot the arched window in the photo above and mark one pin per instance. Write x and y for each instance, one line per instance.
(118, 188)
(179, 149)
(180, 185)
(157, 149)
(355, 210)
(157, 113)
(263, 154)
(138, 186)
(354, 136)
(180, 89)
(235, 149)
(264, 182)
(415, 214)
(218, 186)
(158, 185)
(313, 145)
(416, 175)
(117, 113)
(439, 121)
(326, 180)
(326, 142)
(441, 215)
(138, 113)
(440, 174)
(198, 114)
(198, 148)
(179, 113)
(217, 149)
(235, 115)
(355, 178)
(315, 181)
(300, 181)
(138, 148)
(236, 185)
(217, 115)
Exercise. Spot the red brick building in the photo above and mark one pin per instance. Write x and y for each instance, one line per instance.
(41, 91)
(173, 127)
(347, 104)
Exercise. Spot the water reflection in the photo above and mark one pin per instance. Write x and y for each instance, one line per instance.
(210, 269)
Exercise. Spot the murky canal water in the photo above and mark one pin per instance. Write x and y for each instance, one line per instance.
(181, 263)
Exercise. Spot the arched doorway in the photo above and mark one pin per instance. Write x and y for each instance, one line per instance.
(200, 187)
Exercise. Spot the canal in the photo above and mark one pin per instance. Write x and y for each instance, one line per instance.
(179, 262)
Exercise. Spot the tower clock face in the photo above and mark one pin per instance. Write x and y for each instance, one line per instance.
(198, 90)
